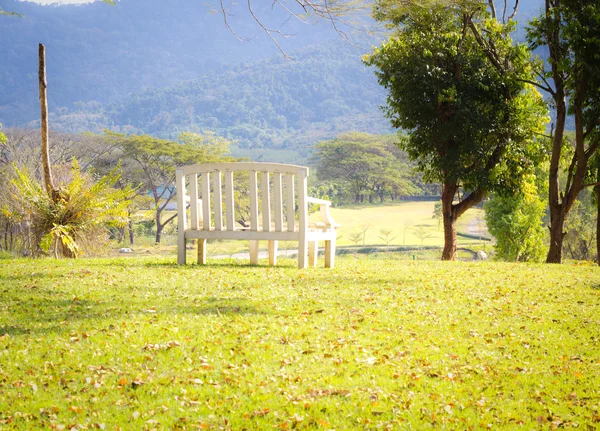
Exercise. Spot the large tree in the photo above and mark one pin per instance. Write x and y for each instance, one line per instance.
(458, 87)
(570, 30)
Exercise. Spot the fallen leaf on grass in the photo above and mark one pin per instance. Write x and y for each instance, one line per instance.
(165, 346)
(261, 412)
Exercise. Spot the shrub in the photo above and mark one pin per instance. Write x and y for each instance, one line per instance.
(78, 213)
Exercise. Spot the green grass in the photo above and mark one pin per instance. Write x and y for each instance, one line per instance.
(403, 219)
(375, 343)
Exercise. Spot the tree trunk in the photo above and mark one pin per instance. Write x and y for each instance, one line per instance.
(130, 228)
(597, 189)
(47, 173)
(159, 227)
(451, 213)
(448, 192)
(557, 223)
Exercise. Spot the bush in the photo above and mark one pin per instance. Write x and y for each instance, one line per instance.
(516, 223)
(78, 213)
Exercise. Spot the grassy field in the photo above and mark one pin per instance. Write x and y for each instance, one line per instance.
(376, 343)
(404, 219)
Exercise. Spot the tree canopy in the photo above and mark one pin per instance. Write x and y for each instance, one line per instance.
(365, 165)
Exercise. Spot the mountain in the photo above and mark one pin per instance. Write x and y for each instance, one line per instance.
(161, 67)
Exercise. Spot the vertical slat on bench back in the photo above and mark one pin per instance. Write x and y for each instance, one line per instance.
(302, 203)
(229, 208)
(218, 200)
(277, 202)
(206, 219)
(181, 215)
(253, 202)
(266, 202)
(194, 201)
(291, 202)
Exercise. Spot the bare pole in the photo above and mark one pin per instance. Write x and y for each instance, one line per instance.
(47, 173)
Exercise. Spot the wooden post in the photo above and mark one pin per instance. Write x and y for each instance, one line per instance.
(47, 172)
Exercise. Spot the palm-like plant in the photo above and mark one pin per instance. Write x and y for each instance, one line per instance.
(81, 208)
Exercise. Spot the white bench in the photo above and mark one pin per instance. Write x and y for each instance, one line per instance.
(280, 188)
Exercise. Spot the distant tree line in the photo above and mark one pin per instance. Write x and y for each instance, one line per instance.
(358, 168)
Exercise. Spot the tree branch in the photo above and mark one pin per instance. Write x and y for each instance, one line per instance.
(537, 84)
(473, 199)
(493, 8)
(592, 148)
(486, 49)
(514, 12)
(591, 185)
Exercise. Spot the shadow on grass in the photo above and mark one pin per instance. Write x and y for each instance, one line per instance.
(29, 276)
(43, 316)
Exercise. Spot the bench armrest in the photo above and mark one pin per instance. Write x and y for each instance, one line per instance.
(324, 210)
(317, 201)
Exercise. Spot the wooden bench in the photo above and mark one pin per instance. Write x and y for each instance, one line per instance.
(280, 196)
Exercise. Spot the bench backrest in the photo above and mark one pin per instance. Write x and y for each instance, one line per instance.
(211, 200)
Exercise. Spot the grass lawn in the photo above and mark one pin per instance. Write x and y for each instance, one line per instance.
(403, 219)
(376, 343)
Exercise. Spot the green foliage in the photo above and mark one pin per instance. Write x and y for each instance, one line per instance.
(365, 166)
(151, 163)
(2, 136)
(468, 119)
(374, 343)
(79, 213)
(580, 240)
(516, 223)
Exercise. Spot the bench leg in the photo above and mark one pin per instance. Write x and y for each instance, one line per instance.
(313, 251)
(302, 254)
(201, 251)
(273, 252)
(330, 254)
(181, 251)
(254, 252)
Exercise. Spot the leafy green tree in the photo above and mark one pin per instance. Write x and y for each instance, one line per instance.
(515, 221)
(457, 86)
(570, 31)
(366, 165)
(155, 161)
